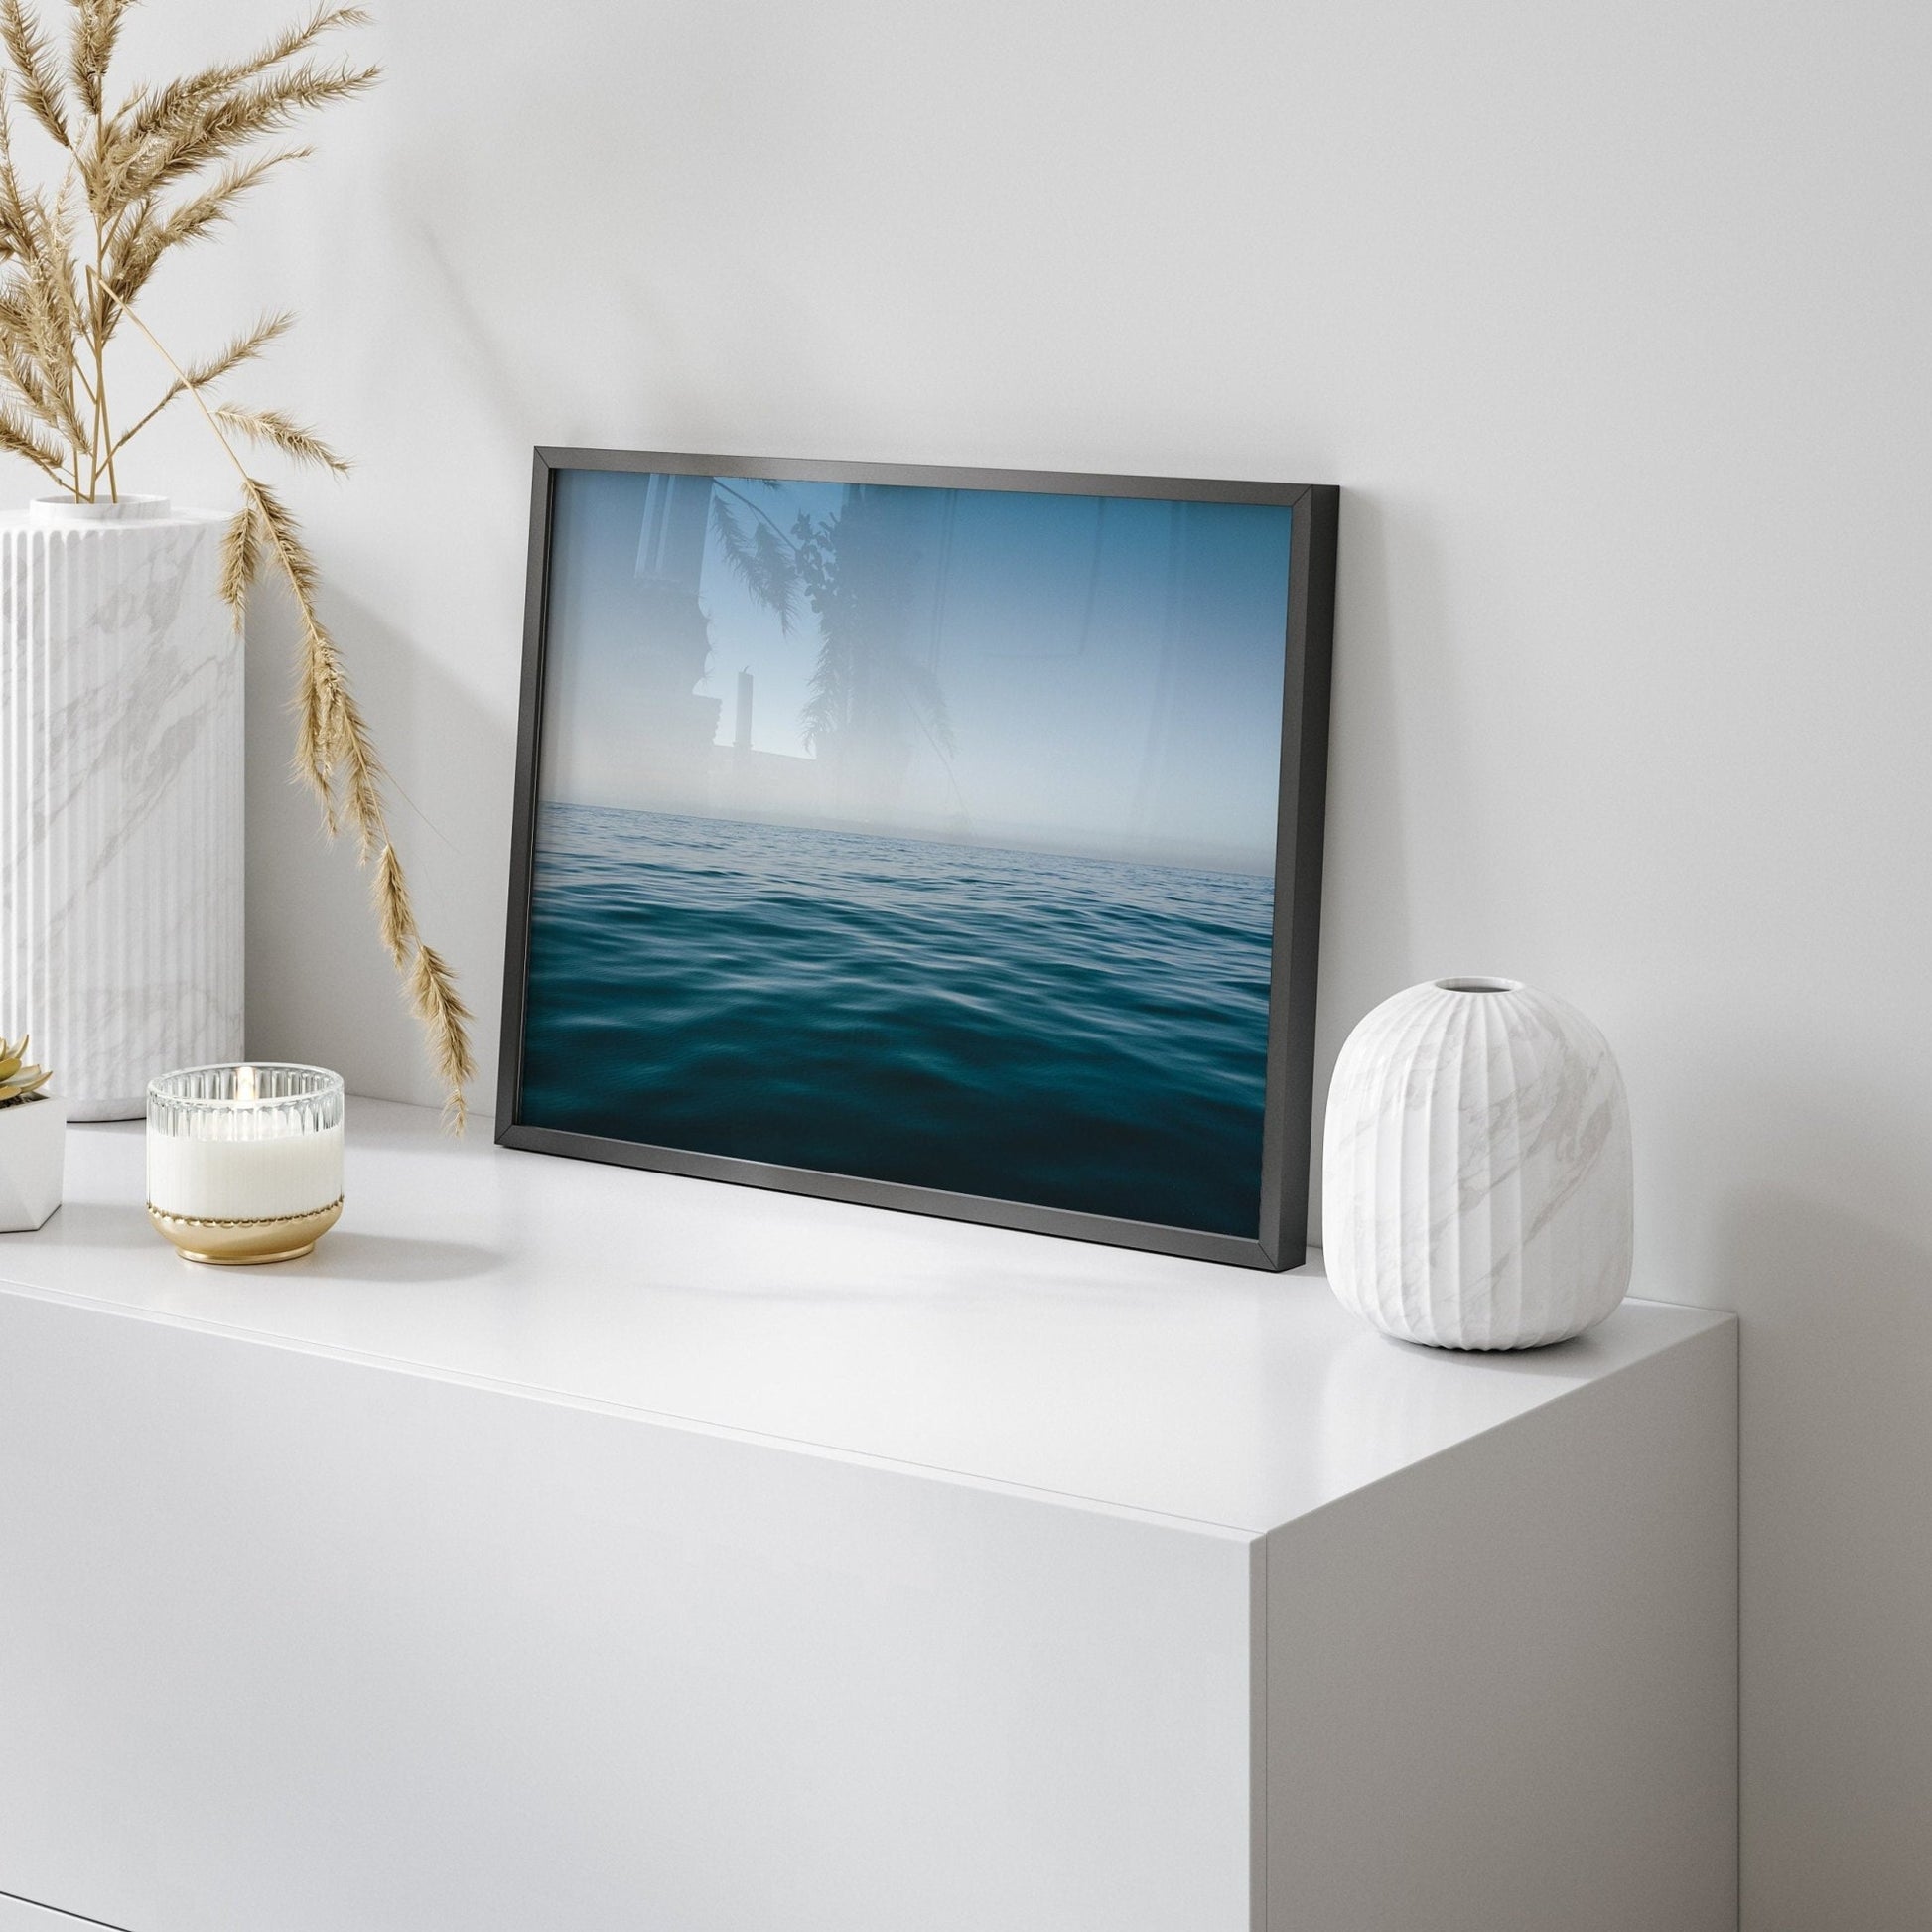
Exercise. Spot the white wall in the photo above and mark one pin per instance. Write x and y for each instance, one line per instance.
(1617, 326)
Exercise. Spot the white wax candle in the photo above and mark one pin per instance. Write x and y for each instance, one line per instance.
(258, 1175)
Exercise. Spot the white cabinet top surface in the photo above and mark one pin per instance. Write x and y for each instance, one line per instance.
(1224, 1396)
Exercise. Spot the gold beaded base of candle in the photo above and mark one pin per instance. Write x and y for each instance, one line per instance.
(241, 1244)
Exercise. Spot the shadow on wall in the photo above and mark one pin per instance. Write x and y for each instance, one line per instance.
(1837, 1552)
(1397, 746)
(319, 986)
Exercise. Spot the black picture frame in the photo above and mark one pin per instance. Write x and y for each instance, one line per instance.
(1281, 1240)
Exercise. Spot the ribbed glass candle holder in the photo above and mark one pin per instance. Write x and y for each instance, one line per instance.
(245, 1162)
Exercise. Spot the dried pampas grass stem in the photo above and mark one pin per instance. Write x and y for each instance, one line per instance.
(334, 754)
(169, 166)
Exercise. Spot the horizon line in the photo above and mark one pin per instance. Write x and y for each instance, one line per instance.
(852, 828)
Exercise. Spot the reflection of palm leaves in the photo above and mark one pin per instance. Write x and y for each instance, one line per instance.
(760, 559)
(858, 682)
(829, 705)
(858, 685)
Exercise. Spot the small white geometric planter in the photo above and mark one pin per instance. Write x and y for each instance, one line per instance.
(33, 1146)
(120, 797)
(1476, 1182)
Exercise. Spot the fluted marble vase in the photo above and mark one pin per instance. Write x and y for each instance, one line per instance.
(1476, 1183)
(120, 797)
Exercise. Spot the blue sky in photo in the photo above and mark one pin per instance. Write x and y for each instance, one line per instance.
(1108, 670)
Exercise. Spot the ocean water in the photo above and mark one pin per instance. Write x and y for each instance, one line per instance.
(1068, 1032)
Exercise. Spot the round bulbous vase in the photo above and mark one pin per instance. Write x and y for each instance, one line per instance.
(121, 731)
(1476, 1180)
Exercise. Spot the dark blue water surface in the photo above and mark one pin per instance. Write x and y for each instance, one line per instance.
(1068, 1032)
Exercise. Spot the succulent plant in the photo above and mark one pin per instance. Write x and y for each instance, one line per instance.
(19, 1082)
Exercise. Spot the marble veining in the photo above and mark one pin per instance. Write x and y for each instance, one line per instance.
(121, 743)
(1477, 1189)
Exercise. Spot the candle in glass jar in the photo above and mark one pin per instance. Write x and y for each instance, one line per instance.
(258, 1143)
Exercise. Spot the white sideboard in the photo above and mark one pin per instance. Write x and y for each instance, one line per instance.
(563, 1549)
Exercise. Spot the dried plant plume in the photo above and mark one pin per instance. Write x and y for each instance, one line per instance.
(165, 168)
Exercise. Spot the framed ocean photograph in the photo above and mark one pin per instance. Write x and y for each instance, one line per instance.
(943, 839)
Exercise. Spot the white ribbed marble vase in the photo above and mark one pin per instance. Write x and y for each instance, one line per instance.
(1477, 1189)
(120, 797)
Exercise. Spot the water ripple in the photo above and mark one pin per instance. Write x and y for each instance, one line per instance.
(1024, 1025)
